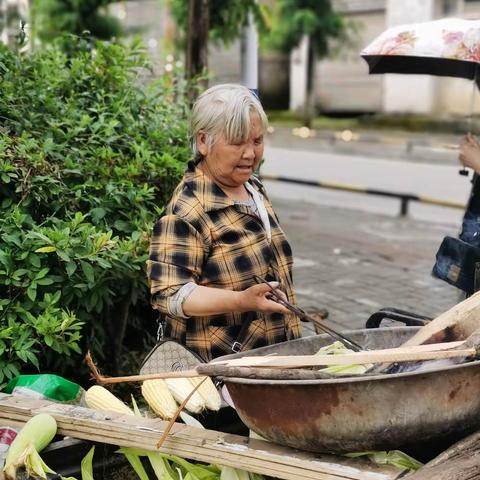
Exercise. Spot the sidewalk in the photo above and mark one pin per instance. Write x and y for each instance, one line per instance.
(354, 263)
(438, 148)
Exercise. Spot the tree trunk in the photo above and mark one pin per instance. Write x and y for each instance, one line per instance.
(196, 55)
(309, 106)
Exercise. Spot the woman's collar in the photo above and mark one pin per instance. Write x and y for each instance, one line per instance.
(208, 193)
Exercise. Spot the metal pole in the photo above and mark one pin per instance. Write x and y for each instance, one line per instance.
(249, 55)
(404, 206)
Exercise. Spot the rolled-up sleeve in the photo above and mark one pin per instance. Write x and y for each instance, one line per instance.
(176, 258)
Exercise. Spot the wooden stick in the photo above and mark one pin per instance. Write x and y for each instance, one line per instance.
(177, 413)
(410, 354)
(457, 323)
(106, 380)
(221, 368)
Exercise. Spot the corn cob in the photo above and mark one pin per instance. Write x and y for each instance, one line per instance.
(99, 398)
(208, 392)
(35, 435)
(180, 388)
(159, 398)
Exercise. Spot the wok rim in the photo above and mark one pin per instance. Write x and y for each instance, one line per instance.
(358, 379)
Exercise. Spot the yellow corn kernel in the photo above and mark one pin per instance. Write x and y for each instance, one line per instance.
(99, 398)
(208, 392)
(159, 398)
(180, 388)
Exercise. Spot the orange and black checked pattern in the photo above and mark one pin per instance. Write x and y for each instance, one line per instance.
(204, 237)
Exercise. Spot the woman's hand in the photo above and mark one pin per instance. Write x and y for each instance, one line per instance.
(214, 301)
(469, 154)
(256, 299)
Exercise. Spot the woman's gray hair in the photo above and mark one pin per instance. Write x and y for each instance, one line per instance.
(224, 109)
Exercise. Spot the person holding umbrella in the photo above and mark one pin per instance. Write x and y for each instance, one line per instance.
(449, 47)
(469, 156)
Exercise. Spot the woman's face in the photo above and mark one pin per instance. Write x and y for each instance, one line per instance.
(231, 165)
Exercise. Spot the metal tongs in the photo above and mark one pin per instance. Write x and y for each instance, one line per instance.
(304, 316)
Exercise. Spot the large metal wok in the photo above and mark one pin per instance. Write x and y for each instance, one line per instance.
(379, 412)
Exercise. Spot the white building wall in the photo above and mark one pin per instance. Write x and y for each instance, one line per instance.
(405, 93)
(298, 75)
(343, 83)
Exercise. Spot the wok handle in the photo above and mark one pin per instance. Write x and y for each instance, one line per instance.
(408, 318)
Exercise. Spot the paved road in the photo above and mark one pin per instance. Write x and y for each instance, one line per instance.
(428, 179)
(354, 263)
(353, 253)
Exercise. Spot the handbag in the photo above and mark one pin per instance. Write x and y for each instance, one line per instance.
(457, 263)
(169, 356)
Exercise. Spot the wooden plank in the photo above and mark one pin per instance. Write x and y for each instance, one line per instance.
(203, 445)
(401, 354)
(458, 323)
(459, 462)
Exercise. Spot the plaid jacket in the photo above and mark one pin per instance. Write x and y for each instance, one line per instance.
(204, 237)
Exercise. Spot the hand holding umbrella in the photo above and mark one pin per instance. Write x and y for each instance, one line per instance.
(469, 154)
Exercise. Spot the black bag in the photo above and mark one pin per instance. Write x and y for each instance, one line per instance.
(456, 264)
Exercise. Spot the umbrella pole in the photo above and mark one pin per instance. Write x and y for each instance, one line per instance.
(472, 102)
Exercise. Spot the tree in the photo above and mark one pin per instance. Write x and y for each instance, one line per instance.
(196, 52)
(314, 20)
(223, 19)
(52, 18)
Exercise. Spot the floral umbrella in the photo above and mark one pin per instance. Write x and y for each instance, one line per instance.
(448, 47)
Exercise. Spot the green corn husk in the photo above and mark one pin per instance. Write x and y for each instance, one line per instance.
(195, 470)
(338, 348)
(135, 461)
(34, 465)
(136, 410)
(87, 466)
(395, 458)
(159, 466)
(35, 435)
(230, 473)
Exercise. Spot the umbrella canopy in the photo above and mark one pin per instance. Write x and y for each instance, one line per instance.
(449, 47)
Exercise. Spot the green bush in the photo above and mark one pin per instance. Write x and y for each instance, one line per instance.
(90, 151)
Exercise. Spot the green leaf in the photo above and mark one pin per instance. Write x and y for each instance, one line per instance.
(32, 291)
(122, 225)
(86, 465)
(34, 260)
(88, 271)
(63, 255)
(97, 214)
(32, 359)
(47, 249)
(70, 268)
(41, 273)
(135, 462)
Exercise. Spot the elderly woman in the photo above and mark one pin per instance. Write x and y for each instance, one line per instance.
(217, 232)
